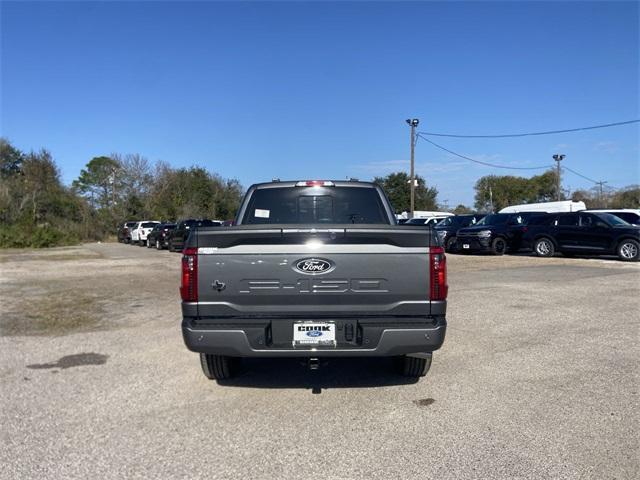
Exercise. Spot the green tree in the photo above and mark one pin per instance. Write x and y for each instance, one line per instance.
(10, 159)
(628, 197)
(462, 210)
(37, 209)
(192, 192)
(507, 190)
(398, 189)
(98, 182)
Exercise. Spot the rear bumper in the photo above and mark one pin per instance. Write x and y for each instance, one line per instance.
(236, 341)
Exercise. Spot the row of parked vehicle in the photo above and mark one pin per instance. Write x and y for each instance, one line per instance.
(161, 235)
(585, 232)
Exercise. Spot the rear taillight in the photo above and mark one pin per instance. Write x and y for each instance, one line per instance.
(189, 286)
(438, 273)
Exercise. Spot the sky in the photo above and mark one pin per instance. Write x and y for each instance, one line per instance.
(302, 90)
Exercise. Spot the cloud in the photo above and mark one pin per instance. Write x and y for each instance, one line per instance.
(607, 147)
(384, 166)
(422, 168)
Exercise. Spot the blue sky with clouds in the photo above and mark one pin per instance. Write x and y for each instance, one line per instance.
(256, 90)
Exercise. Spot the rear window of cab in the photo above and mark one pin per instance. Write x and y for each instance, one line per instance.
(317, 205)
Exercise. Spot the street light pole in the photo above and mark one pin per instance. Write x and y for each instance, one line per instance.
(558, 158)
(412, 180)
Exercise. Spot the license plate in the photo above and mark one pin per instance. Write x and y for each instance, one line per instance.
(465, 245)
(314, 333)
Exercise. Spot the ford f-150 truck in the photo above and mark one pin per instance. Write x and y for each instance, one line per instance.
(313, 269)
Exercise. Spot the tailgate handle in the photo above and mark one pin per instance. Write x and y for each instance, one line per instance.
(218, 285)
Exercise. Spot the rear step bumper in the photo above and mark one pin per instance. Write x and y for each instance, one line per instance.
(393, 341)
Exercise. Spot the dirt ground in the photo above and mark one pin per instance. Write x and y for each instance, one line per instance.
(538, 378)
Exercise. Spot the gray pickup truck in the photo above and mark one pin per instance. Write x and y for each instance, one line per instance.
(314, 269)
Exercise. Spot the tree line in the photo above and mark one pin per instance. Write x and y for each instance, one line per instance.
(38, 210)
(493, 192)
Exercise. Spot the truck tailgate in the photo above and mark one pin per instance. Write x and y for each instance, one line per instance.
(252, 271)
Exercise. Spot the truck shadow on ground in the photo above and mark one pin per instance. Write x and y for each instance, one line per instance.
(332, 373)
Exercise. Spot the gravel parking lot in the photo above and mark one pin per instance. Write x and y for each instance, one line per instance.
(538, 378)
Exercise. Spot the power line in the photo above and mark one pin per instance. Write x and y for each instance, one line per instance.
(480, 161)
(549, 132)
(580, 175)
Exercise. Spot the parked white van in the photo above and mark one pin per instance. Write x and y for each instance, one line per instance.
(548, 207)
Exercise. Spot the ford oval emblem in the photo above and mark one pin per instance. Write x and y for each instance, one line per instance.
(314, 266)
(314, 333)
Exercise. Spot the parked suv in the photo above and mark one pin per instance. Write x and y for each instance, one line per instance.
(180, 234)
(141, 230)
(629, 215)
(159, 236)
(448, 228)
(583, 233)
(124, 232)
(496, 233)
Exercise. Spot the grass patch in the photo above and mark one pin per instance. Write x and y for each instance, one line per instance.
(58, 313)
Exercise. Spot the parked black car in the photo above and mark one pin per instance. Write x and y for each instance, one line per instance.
(629, 215)
(180, 234)
(583, 233)
(497, 233)
(448, 227)
(124, 232)
(159, 236)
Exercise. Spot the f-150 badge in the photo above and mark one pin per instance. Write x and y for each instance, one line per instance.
(314, 266)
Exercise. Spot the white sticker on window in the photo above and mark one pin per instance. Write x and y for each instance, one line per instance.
(261, 213)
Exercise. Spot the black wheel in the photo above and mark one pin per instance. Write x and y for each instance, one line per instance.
(218, 367)
(141, 243)
(148, 243)
(158, 246)
(629, 250)
(414, 366)
(544, 247)
(450, 244)
(499, 246)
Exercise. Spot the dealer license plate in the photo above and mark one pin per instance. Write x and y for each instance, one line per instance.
(314, 333)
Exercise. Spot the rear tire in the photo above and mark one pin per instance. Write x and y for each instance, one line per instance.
(414, 367)
(450, 245)
(629, 250)
(158, 246)
(544, 247)
(142, 243)
(499, 246)
(218, 367)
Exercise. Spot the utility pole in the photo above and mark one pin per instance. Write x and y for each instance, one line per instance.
(491, 198)
(558, 158)
(413, 122)
(600, 196)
